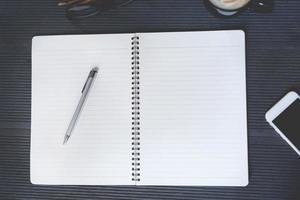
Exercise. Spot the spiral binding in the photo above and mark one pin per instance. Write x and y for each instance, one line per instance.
(135, 109)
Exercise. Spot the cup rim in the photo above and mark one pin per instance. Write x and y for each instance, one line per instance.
(230, 10)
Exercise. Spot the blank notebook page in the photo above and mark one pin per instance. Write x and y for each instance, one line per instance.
(98, 152)
(193, 109)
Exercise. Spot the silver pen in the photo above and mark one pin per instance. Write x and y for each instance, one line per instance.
(86, 88)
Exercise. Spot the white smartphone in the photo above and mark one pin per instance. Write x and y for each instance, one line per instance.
(284, 117)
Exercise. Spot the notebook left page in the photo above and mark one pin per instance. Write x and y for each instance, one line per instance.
(98, 151)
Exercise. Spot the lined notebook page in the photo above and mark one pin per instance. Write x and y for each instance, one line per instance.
(193, 109)
(98, 151)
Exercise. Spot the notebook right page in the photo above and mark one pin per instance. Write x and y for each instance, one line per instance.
(193, 120)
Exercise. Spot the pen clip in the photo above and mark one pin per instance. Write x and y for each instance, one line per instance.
(85, 84)
(91, 75)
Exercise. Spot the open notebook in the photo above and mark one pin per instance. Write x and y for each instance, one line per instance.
(165, 109)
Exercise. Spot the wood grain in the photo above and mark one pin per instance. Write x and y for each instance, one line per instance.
(273, 68)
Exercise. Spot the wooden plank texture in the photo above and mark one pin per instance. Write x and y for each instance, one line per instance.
(273, 68)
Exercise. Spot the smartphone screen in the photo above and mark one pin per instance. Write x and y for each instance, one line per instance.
(288, 122)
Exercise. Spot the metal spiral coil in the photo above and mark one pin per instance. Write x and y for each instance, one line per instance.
(135, 109)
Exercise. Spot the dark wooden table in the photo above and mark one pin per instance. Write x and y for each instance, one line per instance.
(273, 68)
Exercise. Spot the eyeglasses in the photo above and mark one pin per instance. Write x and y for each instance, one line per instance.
(77, 9)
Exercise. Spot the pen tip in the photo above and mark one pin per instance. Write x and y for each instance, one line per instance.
(66, 139)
